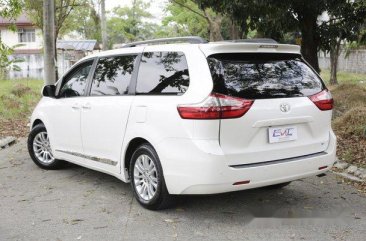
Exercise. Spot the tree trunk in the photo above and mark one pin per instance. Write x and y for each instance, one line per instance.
(56, 57)
(49, 42)
(334, 55)
(310, 40)
(103, 25)
(243, 30)
(234, 30)
(214, 24)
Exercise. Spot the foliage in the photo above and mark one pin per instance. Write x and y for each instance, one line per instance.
(7, 62)
(65, 14)
(129, 24)
(182, 22)
(349, 122)
(345, 22)
(85, 21)
(275, 18)
(9, 9)
(213, 18)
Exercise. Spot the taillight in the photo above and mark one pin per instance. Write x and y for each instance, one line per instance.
(216, 106)
(323, 100)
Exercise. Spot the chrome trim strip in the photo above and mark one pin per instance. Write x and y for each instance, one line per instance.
(259, 164)
(92, 158)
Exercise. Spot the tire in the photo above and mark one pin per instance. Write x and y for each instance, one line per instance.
(37, 142)
(278, 186)
(160, 199)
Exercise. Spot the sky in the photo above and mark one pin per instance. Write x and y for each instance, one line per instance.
(156, 7)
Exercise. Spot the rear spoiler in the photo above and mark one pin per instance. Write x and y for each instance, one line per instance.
(230, 47)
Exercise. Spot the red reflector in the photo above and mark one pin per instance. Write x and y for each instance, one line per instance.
(216, 106)
(242, 182)
(323, 167)
(323, 100)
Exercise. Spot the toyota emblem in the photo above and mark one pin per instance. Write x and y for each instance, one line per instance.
(284, 107)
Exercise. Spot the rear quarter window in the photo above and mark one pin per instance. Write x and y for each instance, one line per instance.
(162, 73)
(263, 76)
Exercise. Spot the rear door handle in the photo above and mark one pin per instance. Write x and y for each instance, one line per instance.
(87, 106)
(76, 106)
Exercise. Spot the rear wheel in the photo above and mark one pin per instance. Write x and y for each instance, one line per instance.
(39, 149)
(147, 179)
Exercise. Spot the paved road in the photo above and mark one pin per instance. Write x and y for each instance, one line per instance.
(80, 204)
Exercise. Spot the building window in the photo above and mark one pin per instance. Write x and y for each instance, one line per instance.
(26, 35)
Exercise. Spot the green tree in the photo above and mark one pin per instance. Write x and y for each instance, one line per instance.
(129, 24)
(274, 19)
(214, 19)
(345, 24)
(184, 20)
(85, 21)
(65, 14)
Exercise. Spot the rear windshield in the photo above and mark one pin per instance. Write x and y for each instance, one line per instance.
(263, 76)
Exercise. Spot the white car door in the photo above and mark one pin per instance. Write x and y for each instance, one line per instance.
(104, 114)
(64, 113)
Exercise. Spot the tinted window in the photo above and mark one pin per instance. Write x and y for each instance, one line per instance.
(74, 84)
(261, 76)
(113, 75)
(163, 73)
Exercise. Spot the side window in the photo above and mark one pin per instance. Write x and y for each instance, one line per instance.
(113, 75)
(75, 83)
(163, 73)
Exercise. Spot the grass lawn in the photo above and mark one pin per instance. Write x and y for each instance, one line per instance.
(17, 100)
(344, 77)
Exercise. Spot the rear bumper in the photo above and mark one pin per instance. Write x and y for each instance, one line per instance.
(200, 167)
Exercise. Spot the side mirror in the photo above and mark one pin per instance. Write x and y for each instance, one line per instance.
(49, 91)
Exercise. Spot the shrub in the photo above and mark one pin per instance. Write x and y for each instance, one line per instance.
(20, 90)
(348, 96)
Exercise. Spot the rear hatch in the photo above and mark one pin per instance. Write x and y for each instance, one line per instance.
(291, 113)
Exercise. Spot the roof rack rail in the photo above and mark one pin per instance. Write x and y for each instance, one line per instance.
(188, 39)
(254, 40)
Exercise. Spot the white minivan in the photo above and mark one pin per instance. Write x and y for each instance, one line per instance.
(183, 116)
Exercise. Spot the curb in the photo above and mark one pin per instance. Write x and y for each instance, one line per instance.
(351, 172)
(7, 141)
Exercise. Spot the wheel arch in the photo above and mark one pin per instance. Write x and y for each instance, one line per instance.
(36, 122)
(131, 147)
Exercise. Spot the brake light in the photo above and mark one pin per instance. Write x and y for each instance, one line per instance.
(323, 100)
(216, 106)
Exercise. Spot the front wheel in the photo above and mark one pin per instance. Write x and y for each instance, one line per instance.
(39, 149)
(147, 179)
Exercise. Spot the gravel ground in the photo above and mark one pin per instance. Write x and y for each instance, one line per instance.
(80, 204)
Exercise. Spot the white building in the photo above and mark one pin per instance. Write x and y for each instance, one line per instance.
(30, 39)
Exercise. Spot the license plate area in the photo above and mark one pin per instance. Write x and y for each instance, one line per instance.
(282, 133)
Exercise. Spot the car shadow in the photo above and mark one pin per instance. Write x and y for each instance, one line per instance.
(300, 199)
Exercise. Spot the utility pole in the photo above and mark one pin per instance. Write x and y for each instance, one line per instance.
(49, 42)
(103, 24)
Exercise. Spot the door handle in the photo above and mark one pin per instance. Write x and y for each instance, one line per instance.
(87, 106)
(76, 106)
